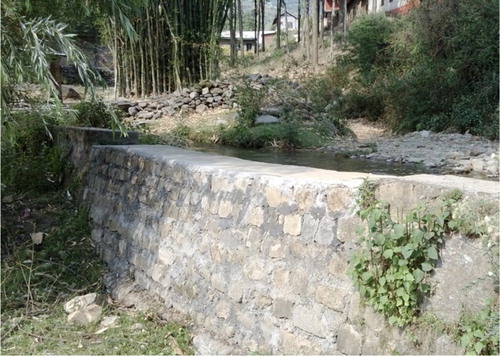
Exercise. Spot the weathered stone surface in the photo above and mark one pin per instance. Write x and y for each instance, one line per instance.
(145, 115)
(308, 320)
(333, 298)
(88, 315)
(349, 340)
(232, 244)
(292, 224)
(82, 302)
(201, 108)
(282, 308)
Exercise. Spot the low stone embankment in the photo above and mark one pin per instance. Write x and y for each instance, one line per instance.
(195, 99)
(257, 254)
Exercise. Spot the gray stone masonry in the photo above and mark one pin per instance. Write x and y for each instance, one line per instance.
(257, 254)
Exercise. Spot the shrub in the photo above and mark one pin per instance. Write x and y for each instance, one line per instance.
(30, 159)
(97, 114)
(369, 39)
(436, 69)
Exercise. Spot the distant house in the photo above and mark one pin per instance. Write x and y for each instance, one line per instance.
(249, 40)
(392, 7)
(288, 21)
(355, 8)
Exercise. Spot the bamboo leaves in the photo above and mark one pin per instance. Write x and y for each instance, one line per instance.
(177, 45)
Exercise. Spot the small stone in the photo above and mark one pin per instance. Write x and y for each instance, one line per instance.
(144, 115)
(85, 316)
(132, 111)
(216, 91)
(201, 108)
(266, 119)
(109, 321)
(82, 302)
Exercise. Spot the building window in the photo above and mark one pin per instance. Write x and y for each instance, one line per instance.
(249, 46)
(381, 2)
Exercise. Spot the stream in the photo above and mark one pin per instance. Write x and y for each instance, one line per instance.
(316, 159)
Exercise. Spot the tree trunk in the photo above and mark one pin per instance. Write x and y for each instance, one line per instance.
(299, 21)
(256, 23)
(315, 33)
(262, 26)
(240, 18)
(232, 36)
(286, 29)
(278, 24)
(344, 15)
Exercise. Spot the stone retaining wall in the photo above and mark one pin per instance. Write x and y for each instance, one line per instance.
(257, 254)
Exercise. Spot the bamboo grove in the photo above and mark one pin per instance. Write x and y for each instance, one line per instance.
(175, 44)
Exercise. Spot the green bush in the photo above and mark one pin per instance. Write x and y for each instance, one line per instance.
(369, 40)
(435, 69)
(97, 114)
(31, 161)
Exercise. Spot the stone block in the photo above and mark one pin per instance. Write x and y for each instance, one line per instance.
(299, 280)
(282, 308)
(327, 231)
(263, 300)
(349, 340)
(304, 198)
(338, 267)
(308, 319)
(246, 319)
(340, 200)
(219, 282)
(235, 291)
(277, 250)
(223, 310)
(373, 320)
(310, 226)
(275, 196)
(255, 216)
(296, 344)
(225, 209)
(281, 277)
(255, 269)
(298, 250)
(292, 224)
(334, 298)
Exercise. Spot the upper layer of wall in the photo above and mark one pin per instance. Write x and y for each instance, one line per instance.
(258, 253)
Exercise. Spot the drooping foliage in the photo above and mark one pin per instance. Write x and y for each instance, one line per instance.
(29, 45)
(177, 44)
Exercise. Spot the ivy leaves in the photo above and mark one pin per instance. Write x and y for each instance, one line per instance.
(391, 269)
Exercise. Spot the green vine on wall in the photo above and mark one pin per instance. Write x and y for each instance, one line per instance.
(391, 270)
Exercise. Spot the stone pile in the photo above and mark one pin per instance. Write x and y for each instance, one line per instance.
(85, 309)
(195, 99)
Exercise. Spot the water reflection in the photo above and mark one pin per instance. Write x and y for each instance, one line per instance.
(316, 159)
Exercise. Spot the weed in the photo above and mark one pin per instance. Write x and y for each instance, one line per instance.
(480, 333)
(391, 269)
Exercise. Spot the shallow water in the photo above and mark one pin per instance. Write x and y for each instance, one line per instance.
(317, 159)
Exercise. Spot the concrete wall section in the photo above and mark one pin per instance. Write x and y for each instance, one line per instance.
(256, 253)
